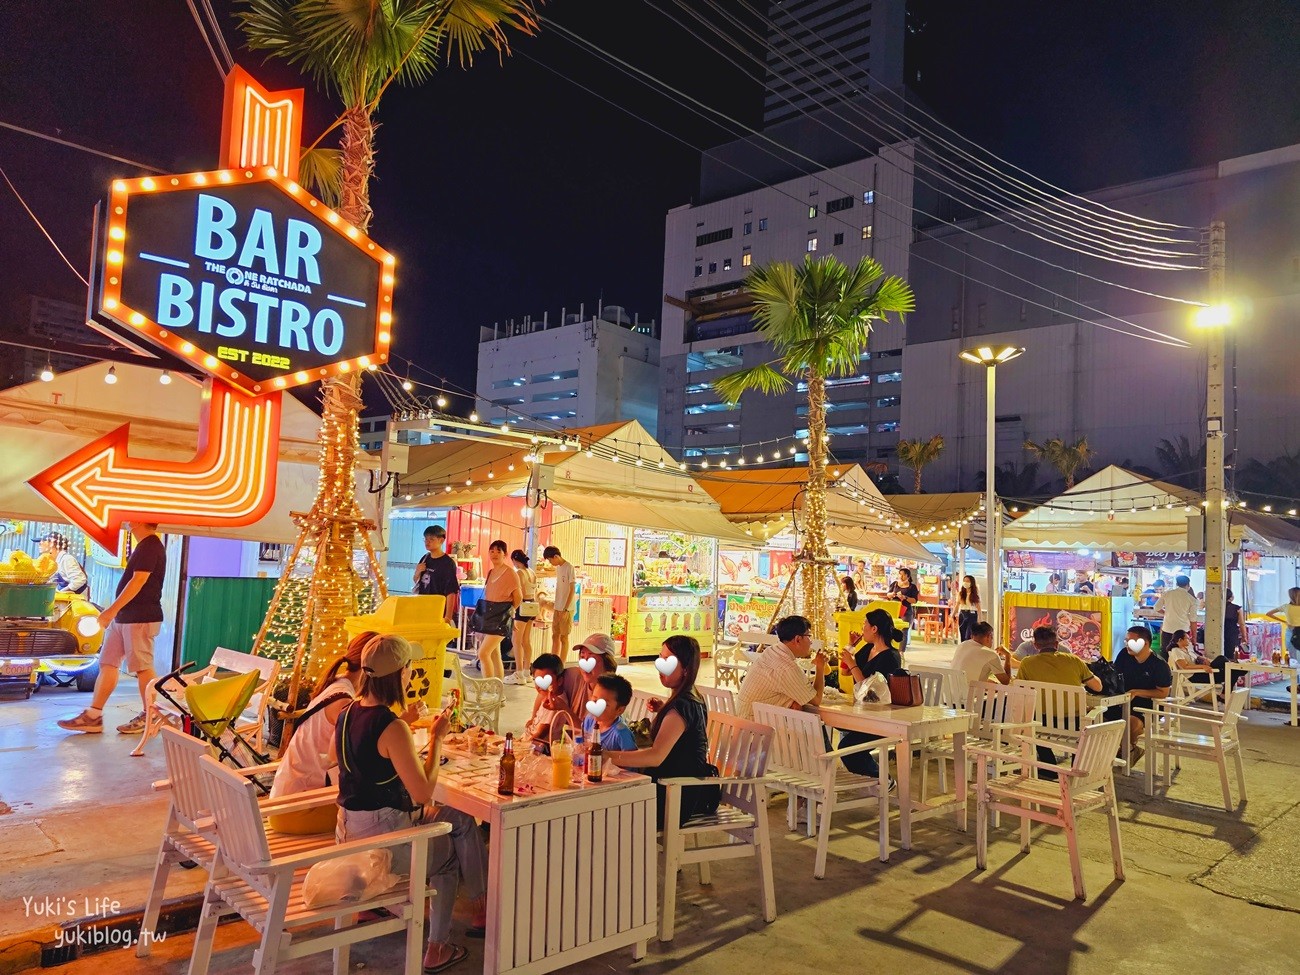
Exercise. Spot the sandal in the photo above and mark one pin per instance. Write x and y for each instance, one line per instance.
(458, 954)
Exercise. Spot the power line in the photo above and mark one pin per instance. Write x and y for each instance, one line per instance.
(207, 41)
(77, 145)
(1159, 337)
(1128, 218)
(36, 220)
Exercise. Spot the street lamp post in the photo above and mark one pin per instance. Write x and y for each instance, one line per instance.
(990, 357)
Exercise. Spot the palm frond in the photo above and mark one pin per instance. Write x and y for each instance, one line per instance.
(763, 378)
(321, 171)
(471, 26)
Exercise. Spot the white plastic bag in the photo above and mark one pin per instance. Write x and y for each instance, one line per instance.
(873, 690)
(356, 877)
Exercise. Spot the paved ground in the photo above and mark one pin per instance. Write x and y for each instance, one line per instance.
(1207, 890)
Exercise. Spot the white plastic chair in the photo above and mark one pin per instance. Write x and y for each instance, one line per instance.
(265, 887)
(997, 713)
(729, 665)
(948, 691)
(718, 699)
(184, 842)
(804, 768)
(481, 698)
(1214, 740)
(639, 706)
(1087, 784)
(740, 749)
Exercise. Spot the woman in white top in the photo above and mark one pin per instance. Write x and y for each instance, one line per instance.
(306, 762)
(525, 615)
(1289, 614)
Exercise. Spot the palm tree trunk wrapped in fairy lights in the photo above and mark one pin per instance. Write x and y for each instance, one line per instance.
(356, 49)
(817, 317)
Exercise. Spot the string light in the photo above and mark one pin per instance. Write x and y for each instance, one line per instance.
(166, 378)
(47, 374)
(442, 402)
(111, 376)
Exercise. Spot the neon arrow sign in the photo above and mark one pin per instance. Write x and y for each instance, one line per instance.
(230, 482)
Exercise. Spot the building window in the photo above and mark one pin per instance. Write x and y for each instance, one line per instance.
(546, 377)
(812, 212)
(866, 232)
(713, 236)
(890, 377)
(843, 203)
(699, 269)
(726, 264)
(812, 244)
(762, 223)
(713, 267)
(889, 427)
(749, 227)
(889, 354)
(746, 259)
(839, 239)
(885, 402)
(869, 197)
(513, 381)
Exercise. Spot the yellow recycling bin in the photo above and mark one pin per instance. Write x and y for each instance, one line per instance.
(851, 622)
(420, 620)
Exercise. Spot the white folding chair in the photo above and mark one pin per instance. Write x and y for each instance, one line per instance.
(740, 749)
(639, 706)
(1087, 784)
(1214, 738)
(802, 766)
(997, 712)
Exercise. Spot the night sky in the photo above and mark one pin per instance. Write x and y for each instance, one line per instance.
(506, 191)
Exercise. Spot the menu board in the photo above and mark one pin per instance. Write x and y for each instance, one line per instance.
(605, 551)
(746, 612)
(656, 614)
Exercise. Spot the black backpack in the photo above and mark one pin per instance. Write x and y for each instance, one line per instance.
(1112, 681)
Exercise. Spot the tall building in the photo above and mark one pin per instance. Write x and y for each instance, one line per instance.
(821, 52)
(859, 209)
(1079, 376)
(578, 371)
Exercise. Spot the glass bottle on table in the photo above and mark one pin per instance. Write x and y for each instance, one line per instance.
(595, 758)
(506, 775)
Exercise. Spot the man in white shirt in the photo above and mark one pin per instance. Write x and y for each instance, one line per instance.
(979, 660)
(1179, 606)
(775, 676)
(562, 621)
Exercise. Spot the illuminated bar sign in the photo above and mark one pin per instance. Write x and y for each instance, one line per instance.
(246, 275)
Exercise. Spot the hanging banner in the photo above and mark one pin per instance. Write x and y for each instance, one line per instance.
(1154, 560)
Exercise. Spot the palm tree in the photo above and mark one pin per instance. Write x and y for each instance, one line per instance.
(1275, 483)
(817, 317)
(1181, 464)
(1067, 458)
(1016, 481)
(916, 454)
(356, 49)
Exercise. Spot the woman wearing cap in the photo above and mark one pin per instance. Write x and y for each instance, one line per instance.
(70, 576)
(384, 785)
(596, 656)
(525, 615)
(306, 764)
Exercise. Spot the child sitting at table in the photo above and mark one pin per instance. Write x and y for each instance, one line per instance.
(609, 698)
(547, 670)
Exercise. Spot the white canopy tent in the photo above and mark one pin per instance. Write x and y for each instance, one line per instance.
(653, 494)
(41, 423)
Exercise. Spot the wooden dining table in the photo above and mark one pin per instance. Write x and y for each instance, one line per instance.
(912, 725)
(571, 872)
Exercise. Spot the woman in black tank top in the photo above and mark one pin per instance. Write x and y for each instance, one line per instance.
(384, 785)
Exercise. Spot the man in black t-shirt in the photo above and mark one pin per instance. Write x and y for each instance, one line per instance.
(131, 623)
(435, 575)
(1147, 679)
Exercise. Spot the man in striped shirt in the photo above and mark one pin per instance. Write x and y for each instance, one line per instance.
(775, 676)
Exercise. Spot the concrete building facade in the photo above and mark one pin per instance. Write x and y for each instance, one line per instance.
(858, 209)
(1078, 377)
(579, 372)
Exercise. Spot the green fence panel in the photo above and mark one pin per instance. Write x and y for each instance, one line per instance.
(223, 613)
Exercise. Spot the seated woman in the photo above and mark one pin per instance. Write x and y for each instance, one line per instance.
(680, 733)
(597, 656)
(1180, 656)
(384, 786)
(876, 655)
(306, 761)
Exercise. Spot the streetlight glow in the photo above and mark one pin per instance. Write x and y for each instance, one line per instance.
(1212, 316)
(987, 355)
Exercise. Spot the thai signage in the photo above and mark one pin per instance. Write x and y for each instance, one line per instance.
(1154, 560)
(247, 276)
